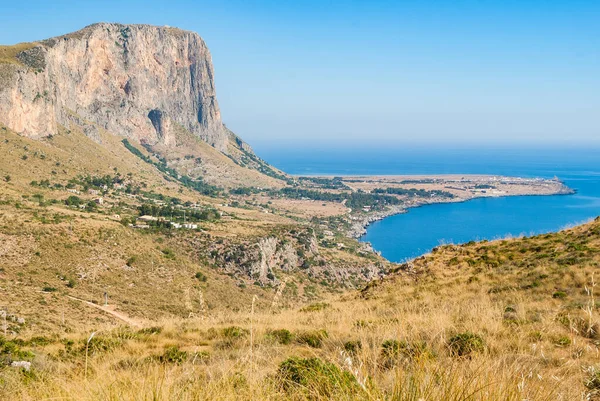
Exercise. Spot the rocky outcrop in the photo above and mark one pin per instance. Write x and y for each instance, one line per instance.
(137, 81)
(267, 259)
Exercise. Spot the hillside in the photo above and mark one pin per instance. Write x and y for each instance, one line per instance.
(504, 320)
(152, 85)
(146, 252)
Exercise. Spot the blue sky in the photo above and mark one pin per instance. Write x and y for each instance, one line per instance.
(376, 73)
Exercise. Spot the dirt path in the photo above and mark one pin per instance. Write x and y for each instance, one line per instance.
(110, 310)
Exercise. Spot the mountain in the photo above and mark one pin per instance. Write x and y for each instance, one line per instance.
(151, 85)
(147, 252)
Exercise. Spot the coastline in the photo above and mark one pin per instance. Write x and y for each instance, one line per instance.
(361, 222)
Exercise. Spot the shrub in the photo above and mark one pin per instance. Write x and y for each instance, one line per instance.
(392, 351)
(320, 379)
(313, 339)
(234, 332)
(562, 341)
(353, 347)
(232, 337)
(100, 344)
(131, 261)
(10, 350)
(559, 295)
(73, 201)
(201, 277)
(173, 355)
(168, 253)
(465, 344)
(48, 289)
(150, 330)
(281, 336)
(315, 307)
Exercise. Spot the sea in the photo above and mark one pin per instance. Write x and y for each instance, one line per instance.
(405, 236)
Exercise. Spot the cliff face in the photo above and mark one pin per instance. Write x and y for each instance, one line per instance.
(137, 81)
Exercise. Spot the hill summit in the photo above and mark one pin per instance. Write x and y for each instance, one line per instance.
(137, 81)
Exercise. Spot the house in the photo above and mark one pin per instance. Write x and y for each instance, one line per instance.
(93, 192)
(99, 201)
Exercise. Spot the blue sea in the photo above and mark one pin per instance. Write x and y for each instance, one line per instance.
(406, 236)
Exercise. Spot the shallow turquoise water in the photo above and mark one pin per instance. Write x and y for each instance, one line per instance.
(412, 234)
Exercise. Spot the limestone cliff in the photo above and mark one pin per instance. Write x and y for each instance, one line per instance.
(137, 81)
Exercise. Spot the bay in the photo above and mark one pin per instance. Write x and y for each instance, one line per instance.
(405, 236)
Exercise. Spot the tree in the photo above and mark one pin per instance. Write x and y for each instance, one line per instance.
(73, 201)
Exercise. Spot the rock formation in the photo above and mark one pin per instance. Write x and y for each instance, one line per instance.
(137, 81)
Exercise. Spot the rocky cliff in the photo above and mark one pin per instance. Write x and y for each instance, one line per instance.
(137, 81)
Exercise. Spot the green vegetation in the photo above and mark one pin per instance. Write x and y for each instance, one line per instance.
(313, 338)
(422, 193)
(195, 184)
(354, 200)
(314, 376)
(179, 212)
(281, 336)
(326, 183)
(465, 344)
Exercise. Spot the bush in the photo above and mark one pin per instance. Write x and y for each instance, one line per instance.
(150, 330)
(231, 337)
(562, 341)
(168, 253)
(10, 350)
(559, 295)
(281, 336)
(234, 332)
(100, 344)
(465, 344)
(201, 277)
(320, 379)
(173, 355)
(73, 201)
(353, 347)
(313, 339)
(315, 307)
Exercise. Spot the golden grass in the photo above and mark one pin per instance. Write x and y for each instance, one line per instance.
(537, 343)
(8, 54)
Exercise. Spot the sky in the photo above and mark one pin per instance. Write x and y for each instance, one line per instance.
(376, 73)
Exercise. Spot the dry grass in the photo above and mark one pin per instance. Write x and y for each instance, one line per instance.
(397, 340)
(505, 320)
(8, 54)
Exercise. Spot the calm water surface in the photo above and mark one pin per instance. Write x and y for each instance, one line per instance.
(412, 234)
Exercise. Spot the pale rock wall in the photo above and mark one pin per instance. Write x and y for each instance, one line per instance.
(117, 77)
